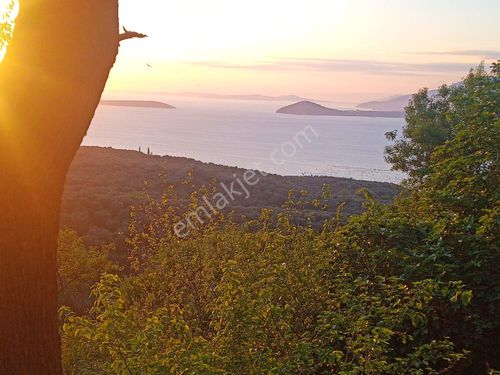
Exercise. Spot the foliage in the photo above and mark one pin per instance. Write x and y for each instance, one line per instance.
(407, 288)
(253, 299)
(103, 183)
(119, 339)
(445, 227)
(431, 121)
(79, 268)
(380, 326)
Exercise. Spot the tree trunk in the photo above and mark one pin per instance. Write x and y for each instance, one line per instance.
(51, 82)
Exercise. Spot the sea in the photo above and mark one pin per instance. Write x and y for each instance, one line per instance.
(250, 134)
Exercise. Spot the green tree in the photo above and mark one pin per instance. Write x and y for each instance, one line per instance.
(427, 126)
(431, 121)
(445, 226)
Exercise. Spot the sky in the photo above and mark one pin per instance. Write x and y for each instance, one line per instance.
(327, 49)
(342, 50)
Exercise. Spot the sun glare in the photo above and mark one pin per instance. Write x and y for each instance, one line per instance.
(8, 13)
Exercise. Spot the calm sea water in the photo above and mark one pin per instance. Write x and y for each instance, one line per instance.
(249, 134)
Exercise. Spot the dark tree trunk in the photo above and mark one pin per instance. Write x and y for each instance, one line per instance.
(51, 82)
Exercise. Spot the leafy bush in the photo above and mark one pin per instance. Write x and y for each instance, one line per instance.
(253, 299)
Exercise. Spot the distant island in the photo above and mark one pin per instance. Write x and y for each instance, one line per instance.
(136, 103)
(396, 103)
(307, 108)
(255, 97)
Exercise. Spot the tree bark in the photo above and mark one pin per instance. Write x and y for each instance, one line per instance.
(51, 82)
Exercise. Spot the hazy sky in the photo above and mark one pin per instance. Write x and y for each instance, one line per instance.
(316, 48)
(351, 49)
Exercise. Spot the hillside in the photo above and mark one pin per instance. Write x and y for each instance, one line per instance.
(307, 108)
(103, 183)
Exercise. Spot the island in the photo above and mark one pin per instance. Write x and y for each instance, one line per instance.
(399, 102)
(243, 97)
(307, 108)
(136, 103)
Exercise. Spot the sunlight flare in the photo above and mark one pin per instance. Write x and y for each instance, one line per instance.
(8, 13)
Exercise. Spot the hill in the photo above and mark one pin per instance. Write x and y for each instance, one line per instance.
(249, 97)
(396, 103)
(136, 103)
(103, 183)
(307, 108)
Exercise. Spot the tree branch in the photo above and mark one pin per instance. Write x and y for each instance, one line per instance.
(130, 35)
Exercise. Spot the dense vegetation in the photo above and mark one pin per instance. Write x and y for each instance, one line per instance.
(406, 288)
(104, 183)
